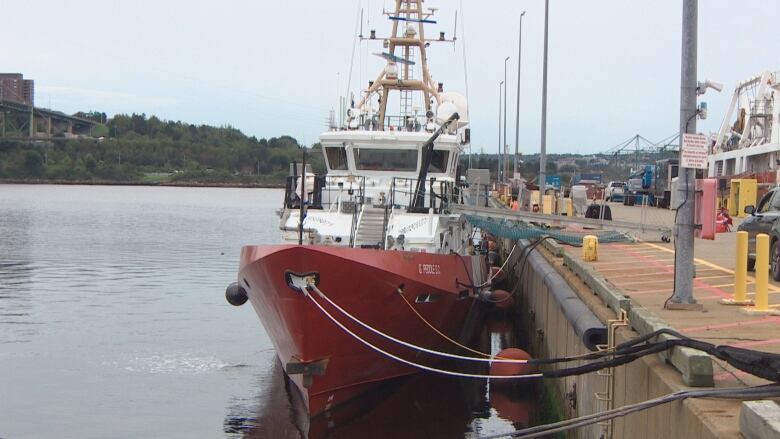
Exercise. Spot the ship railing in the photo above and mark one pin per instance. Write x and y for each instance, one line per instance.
(412, 123)
(440, 193)
(325, 192)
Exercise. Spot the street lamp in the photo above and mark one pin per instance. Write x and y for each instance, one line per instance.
(543, 155)
(517, 111)
(500, 167)
(503, 145)
(302, 214)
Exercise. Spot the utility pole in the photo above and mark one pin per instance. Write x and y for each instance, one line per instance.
(684, 224)
(503, 144)
(517, 110)
(499, 175)
(543, 155)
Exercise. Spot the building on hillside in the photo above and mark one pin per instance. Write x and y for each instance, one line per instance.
(14, 88)
(566, 161)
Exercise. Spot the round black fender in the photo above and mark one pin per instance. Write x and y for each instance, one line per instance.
(235, 294)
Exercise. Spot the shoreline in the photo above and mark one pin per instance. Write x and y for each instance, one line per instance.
(142, 183)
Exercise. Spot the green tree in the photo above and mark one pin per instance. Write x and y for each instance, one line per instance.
(90, 163)
(33, 163)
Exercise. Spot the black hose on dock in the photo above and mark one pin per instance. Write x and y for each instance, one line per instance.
(585, 324)
(743, 393)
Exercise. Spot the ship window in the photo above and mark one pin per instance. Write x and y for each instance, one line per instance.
(439, 161)
(368, 159)
(337, 158)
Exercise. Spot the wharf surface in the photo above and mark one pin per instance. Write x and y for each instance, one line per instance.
(640, 275)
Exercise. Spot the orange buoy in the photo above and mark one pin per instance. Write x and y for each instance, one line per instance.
(502, 299)
(510, 407)
(498, 369)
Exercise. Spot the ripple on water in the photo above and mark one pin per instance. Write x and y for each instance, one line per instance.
(171, 363)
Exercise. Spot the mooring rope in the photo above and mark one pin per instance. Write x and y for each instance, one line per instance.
(430, 325)
(407, 344)
(411, 363)
(500, 270)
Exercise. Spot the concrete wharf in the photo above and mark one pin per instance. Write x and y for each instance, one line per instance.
(633, 280)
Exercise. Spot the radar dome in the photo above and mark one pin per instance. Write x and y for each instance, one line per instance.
(444, 111)
(458, 102)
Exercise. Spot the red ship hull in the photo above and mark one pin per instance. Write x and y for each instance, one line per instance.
(365, 283)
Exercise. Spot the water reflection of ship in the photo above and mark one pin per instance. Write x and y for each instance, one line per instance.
(423, 405)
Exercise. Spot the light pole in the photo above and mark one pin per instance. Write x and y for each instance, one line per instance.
(302, 214)
(499, 176)
(684, 270)
(503, 144)
(517, 110)
(543, 155)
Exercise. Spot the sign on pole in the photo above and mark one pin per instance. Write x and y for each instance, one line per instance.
(694, 151)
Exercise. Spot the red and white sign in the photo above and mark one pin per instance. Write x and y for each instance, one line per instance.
(694, 151)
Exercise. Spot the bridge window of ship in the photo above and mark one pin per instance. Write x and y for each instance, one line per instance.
(373, 159)
(439, 161)
(337, 158)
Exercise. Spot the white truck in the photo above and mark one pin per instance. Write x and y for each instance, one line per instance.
(615, 191)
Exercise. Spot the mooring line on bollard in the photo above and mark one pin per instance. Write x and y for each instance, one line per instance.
(445, 336)
(411, 363)
(405, 343)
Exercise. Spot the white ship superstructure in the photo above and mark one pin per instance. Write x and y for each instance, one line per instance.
(389, 177)
(748, 142)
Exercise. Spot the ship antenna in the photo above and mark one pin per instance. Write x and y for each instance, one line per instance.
(354, 43)
(455, 32)
(465, 69)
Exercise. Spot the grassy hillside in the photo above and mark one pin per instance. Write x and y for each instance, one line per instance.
(149, 150)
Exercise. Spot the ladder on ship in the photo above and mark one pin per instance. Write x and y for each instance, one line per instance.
(371, 228)
(407, 96)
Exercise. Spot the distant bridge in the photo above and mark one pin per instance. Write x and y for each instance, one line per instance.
(19, 121)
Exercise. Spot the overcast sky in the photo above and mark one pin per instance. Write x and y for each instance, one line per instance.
(276, 67)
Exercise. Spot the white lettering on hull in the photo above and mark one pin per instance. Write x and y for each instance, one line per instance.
(432, 269)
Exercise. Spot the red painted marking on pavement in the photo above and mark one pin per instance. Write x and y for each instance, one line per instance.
(731, 325)
(703, 285)
(725, 376)
(662, 290)
(748, 344)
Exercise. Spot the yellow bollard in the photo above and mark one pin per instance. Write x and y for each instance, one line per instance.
(590, 248)
(740, 273)
(762, 272)
(547, 204)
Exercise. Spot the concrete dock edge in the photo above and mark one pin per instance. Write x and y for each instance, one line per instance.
(695, 366)
(760, 420)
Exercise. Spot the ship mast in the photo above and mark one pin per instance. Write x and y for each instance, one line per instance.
(409, 14)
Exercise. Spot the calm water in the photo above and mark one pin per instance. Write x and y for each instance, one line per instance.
(113, 323)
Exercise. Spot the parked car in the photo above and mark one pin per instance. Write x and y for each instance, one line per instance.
(615, 191)
(764, 218)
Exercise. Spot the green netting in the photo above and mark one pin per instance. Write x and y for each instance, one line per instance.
(522, 230)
